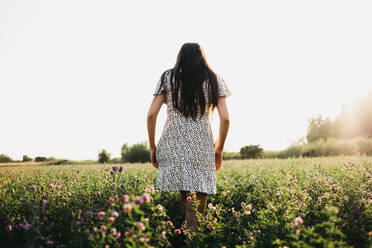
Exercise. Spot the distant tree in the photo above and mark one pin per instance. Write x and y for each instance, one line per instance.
(320, 129)
(251, 151)
(5, 159)
(26, 158)
(41, 159)
(103, 157)
(136, 153)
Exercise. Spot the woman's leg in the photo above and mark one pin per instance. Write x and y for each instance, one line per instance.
(182, 204)
(191, 218)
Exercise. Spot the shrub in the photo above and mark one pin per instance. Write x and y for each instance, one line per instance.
(251, 151)
(136, 153)
(103, 156)
(41, 159)
(26, 158)
(5, 159)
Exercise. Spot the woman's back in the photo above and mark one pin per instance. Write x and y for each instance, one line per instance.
(185, 151)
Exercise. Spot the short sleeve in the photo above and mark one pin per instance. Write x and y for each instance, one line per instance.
(223, 89)
(160, 87)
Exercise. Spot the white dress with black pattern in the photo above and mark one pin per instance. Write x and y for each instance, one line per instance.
(185, 151)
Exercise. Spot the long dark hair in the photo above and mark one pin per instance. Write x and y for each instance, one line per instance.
(188, 75)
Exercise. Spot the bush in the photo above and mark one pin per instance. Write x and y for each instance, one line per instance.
(251, 151)
(103, 157)
(136, 153)
(5, 159)
(41, 159)
(26, 158)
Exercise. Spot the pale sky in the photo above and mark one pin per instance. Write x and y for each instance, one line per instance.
(78, 76)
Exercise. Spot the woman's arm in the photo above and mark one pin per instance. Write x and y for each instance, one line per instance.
(152, 114)
(224, 128)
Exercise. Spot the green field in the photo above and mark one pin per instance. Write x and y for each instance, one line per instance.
(306, 202)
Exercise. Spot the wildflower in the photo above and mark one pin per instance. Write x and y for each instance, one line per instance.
(159, 207)
(169, 223)
(22, 200)
(152, 190)
(163, 235)
(120, 168)
(103, 228)
(8, 228)
(146, 219)
(297, 221)
(138, 200)
(249, 207)
(272, 207)
(127, 208)
(144, 239)
(109, 203)
(189, 198)
(113, 231)
(43, 202)
(118, 235)
(51, 185)
(114, 168)
(111, 219)
(242, 204)
(112, 186)
(141, 226)
(146, 197)
(25, 225)
(115, 214)
(125, 198)
(49, 242)
(100, 215)
(126, 234)
(177, 231)
(33, 187)
(247, 212)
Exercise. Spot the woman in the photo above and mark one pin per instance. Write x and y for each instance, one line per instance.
(186, 157)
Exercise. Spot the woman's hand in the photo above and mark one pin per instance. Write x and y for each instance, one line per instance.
(153, 158)
(218, 159)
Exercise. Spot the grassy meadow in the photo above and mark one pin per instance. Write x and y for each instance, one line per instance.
(303, 202)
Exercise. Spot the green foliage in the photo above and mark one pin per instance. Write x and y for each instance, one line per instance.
(307, 202)
(251, 151)
(139, 152)
(115, 160)
(320, 129)
(103, 157)
(231, 155)
(5, 159)
(26, 158)
(41, 159)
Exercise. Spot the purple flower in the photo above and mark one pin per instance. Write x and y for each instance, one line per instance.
(141, 226)
(100, 215)
(138, 200)
(22, 200)
(43, 202)
(146, 197)
(125, 198)
(127, 208)
(33, 187)
(8, 228)
(114, 168)
(121, 169)
(159, 207)
(297, 221)
(49, 242)
(25, 225)
(115, 214)
(112, 185)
